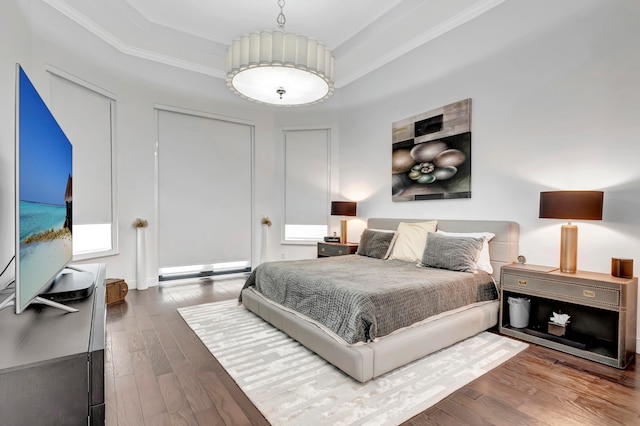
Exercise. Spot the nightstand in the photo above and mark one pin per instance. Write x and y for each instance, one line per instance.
(602, 307)
(336, 249)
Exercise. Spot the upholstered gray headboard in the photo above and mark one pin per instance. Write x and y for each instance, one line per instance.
(503, 248)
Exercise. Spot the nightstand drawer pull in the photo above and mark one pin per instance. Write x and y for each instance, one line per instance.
(522, 282)
(339, 251)
(588, 293)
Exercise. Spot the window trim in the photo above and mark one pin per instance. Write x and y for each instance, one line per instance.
(202, 114)
(50, 69)
(328, 129)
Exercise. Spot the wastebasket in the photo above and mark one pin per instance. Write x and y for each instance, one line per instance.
(519, 308)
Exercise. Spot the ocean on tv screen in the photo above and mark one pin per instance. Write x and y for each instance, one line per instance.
(36, 218)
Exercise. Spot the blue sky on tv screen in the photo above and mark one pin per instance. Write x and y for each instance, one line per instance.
(45, 151)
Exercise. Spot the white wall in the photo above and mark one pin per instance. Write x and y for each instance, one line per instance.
(557, 108)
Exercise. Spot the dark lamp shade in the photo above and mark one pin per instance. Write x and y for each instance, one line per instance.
(571, 205)
(343, 208)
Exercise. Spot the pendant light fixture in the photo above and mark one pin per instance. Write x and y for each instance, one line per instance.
(280, 68)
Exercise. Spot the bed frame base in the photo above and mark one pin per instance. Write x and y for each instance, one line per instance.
(365, 362)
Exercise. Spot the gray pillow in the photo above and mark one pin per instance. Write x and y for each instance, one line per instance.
(375, 243)
(454, 253)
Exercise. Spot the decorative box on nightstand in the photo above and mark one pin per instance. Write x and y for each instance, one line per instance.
(602, 311)
(336, 249)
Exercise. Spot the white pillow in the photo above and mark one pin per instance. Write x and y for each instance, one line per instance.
(410, 240)
(484, 261)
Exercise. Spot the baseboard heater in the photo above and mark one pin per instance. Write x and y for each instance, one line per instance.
(201, 271)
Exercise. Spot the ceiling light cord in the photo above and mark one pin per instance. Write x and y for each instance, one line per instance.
(281, 20)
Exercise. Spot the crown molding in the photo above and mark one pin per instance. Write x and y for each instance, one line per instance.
(111, 39)
(446, 26)
(361, 69)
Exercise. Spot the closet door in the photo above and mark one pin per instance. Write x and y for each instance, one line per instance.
(204, 193)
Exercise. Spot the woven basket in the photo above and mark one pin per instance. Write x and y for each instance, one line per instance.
(117, 289)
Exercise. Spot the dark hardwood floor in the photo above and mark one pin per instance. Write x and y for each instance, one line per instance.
(159, 373)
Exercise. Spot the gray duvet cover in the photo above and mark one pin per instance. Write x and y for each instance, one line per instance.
(361, 298)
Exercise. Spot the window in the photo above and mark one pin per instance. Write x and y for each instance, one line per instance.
(205, 193)
(306, 185)
(87, 116)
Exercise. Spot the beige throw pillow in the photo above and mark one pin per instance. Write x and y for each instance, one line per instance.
(411, 239)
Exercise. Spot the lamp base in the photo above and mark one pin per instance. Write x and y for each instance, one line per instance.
(569, 249)
(343, 231)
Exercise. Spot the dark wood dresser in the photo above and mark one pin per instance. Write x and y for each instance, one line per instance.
(52, 362)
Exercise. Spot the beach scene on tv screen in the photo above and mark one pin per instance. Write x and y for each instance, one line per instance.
(45, 193)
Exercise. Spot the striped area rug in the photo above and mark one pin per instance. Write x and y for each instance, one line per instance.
(291, 385)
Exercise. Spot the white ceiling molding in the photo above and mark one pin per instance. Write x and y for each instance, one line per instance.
(109, 38)
(392, 33)
(442, 28)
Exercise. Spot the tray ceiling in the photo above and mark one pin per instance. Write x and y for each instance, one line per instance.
(193, 34)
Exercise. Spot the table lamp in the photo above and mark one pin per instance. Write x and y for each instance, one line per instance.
(343, 208)
(570, 205)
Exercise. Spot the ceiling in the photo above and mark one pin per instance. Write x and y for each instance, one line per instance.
(193, 34)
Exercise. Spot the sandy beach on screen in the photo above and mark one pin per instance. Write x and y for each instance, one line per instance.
(40, 263)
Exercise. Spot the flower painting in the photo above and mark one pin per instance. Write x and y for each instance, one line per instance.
(431, 154)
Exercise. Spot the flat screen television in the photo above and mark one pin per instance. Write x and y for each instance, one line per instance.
(44, 220)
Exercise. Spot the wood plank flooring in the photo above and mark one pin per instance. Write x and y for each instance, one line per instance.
(159, 373)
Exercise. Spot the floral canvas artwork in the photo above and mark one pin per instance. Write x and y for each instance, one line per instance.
(431, 154)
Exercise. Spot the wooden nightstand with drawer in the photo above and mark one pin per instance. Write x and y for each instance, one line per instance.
(602, 309)
(336, 249)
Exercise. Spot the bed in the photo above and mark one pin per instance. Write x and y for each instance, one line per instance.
(375, 355)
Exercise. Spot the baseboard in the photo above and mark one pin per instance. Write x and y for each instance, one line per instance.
(150, 283)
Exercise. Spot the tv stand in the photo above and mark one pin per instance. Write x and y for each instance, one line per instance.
(52, 364)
